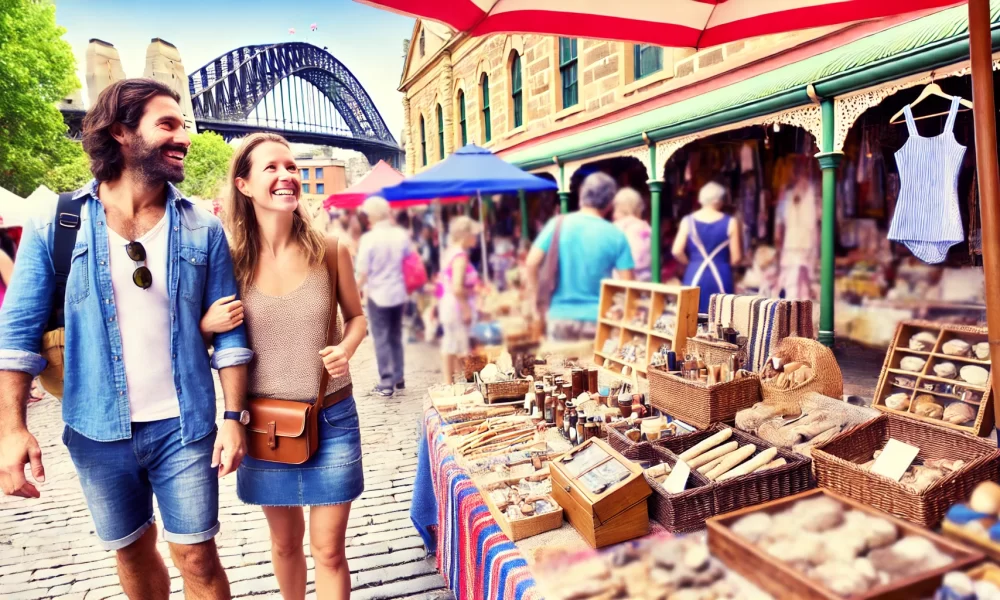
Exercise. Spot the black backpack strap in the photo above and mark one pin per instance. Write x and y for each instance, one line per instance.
(67, 224)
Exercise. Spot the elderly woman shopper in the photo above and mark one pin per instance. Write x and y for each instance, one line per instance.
(456, 292)
(708, 242)
(379, 268)
(628, 217)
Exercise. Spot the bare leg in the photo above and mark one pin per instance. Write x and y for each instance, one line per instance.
(141, 569)
(327, 528)
(288, 529)
(201, 569)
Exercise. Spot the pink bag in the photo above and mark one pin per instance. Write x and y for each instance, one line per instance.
(414, 273)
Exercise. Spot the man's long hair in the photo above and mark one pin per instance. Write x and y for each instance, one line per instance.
(122, 102)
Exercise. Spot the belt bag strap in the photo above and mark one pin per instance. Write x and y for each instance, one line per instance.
(286, 431)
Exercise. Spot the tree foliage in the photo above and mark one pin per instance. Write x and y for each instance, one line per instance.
(37, 70)
(206, 165)
(73, 172)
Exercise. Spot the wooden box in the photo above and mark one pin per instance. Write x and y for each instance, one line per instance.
(644, 304)
(788, 583)
(521, 528)
(925, 379)
(603, 515)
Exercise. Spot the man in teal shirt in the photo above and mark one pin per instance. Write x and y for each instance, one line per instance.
(590, 249)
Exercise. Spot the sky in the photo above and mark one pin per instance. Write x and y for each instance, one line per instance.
(367, 40)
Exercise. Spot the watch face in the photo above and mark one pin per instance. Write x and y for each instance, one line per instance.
(245, 417)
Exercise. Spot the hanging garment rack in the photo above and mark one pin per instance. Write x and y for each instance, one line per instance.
(932, 89)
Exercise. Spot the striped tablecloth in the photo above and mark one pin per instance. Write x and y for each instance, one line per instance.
(478, 561)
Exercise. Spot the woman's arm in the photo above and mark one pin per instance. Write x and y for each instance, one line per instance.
(735, 242)
(680, 243)
(336, 358)
(458, 267)
(6, 268)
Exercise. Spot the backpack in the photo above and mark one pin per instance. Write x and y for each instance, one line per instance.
(414, 272)
(54, 338)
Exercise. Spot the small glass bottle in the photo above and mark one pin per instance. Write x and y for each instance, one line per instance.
(560, 410)
(550, 410)
(569, 418)
(540, 399)
(581, 423)
(571, 423)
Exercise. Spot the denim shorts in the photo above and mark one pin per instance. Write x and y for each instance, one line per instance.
(333, 475)
(119, 480)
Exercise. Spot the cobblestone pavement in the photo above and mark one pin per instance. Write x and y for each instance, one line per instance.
(48, 548)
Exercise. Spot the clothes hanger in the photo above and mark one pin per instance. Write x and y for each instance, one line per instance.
(932, 89)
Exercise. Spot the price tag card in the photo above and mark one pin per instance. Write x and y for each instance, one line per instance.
(895, 459)
(678, 478)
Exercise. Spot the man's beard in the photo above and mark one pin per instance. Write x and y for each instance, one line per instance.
(151, 165)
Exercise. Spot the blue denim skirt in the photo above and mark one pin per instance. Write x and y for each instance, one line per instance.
(333, 475)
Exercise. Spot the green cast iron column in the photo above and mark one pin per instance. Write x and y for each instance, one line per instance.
(655, 243)
(828, 161)
(563, 192)
(522, 198)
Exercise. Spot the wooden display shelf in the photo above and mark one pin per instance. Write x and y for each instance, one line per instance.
(786, 582)
(654, 299)
(982, 425)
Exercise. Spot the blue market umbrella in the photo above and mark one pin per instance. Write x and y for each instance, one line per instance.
(471, 170)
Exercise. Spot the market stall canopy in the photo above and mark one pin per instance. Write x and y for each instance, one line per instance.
(678, 23)
(469, 171)
(383, 175)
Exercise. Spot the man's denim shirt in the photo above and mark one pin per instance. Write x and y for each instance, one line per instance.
(95, 398)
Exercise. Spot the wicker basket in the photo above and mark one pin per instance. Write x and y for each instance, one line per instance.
(504, 390)
(827, 378)
(698, 404)
(753, 488)
(838, 467)
(616, 438)
(717, 352)
(682, 512)
(473, 364)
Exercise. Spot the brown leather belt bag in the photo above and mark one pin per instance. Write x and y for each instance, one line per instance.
(287, 431)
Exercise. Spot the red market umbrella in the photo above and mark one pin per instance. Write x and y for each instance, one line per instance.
(703, 23)
(678, 23)
(383, 175)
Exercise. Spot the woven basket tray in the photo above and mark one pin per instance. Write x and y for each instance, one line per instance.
(698, 404)
(717, 352)
(838, 467)
(616, 438)
(752, 488)
(682, 512)
(505, 390)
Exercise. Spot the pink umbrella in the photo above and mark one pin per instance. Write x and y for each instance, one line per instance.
(704, 23)
(679, 23)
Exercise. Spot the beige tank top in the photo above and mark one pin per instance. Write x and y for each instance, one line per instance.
(286, 334)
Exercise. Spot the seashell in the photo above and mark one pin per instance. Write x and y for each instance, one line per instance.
(929, 409)
(947, 370)
(921, 398)
(899, 401)
(914, 364)
(923, 341)
(975, 375)
(982, 350)
(956, 347)
(959, 413)
(905, 382)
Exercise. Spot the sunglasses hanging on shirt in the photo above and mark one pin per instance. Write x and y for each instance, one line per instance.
(142, 277)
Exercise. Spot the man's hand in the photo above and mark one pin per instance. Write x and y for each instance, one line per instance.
(335, 359)
(17, 449)
(230, 447)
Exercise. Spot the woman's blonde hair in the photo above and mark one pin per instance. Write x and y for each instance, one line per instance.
(629, 202)
(241, 217)
(461, 227)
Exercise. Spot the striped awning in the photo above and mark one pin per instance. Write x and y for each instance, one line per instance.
(677, 23)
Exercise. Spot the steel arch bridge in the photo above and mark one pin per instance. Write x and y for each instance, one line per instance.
(295, 89)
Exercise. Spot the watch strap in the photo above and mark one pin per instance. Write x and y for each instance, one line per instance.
(232, 415)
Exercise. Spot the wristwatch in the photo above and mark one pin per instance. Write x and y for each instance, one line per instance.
(242, 416)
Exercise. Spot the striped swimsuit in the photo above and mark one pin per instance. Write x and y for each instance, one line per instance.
(927, 218)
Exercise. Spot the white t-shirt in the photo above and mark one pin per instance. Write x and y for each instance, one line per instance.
(144, 323)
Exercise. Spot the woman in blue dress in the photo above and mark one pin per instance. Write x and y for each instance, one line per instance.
(708, 242)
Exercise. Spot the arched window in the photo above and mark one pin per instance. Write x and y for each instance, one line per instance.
(440, 115)
(515, 90)
(422, 43)
(487, 128)
(423, 142)
(461, 117)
